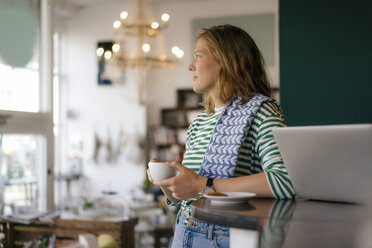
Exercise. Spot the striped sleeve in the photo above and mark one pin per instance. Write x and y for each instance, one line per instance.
(268, 117)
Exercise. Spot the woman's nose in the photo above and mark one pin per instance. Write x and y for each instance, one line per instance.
(191, 67)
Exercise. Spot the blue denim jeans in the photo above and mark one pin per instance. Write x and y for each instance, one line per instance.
(199, 234)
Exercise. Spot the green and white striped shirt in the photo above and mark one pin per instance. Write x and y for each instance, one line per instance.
(259, 152)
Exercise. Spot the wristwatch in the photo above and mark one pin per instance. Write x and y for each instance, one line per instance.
(209, 186)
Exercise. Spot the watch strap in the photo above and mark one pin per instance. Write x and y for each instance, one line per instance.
(210, 182)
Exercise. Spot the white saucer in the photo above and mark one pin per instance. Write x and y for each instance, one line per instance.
(232, 198)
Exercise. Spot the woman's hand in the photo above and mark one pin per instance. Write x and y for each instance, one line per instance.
(185, 185)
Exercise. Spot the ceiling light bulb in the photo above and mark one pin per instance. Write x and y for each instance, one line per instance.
(146, 48)
(165, 17)
(116, 24)
(155, 25)
(123, 15)
(180, 53)
(115, 48)
(100, 51)
(175, 49)
(108, 54)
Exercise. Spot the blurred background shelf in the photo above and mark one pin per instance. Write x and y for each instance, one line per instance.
(168, 138)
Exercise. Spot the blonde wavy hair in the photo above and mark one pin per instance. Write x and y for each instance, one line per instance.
(242, 70)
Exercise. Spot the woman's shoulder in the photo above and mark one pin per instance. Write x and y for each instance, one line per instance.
(264, 105)
(270, 108)
(198, 118)
(270, 114)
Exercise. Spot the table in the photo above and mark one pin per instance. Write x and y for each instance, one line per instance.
(289, 223)
(68, 230)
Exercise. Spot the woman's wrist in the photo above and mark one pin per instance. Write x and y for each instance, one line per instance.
(202, 184)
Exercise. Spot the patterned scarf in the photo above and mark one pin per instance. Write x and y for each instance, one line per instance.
(228, 136)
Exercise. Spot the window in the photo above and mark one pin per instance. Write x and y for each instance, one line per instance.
(20, 156)
(26, 115)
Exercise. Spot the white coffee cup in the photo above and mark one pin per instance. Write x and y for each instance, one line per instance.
(160, 170)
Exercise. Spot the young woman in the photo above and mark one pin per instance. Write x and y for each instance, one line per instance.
(229, 146)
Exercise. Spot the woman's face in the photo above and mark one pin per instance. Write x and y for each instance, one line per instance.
(204, 67)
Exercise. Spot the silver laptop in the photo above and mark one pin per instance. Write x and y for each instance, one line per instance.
(330, 162)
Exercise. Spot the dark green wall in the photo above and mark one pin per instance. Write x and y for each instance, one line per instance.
(325, 61)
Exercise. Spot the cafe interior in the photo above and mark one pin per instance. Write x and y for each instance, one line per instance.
(91, 90)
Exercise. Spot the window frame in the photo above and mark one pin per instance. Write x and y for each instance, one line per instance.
(41, 123)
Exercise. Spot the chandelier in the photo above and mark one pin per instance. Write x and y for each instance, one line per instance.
(144, 30)
(141, 29)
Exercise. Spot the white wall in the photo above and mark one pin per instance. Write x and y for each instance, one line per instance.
(106, 110)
